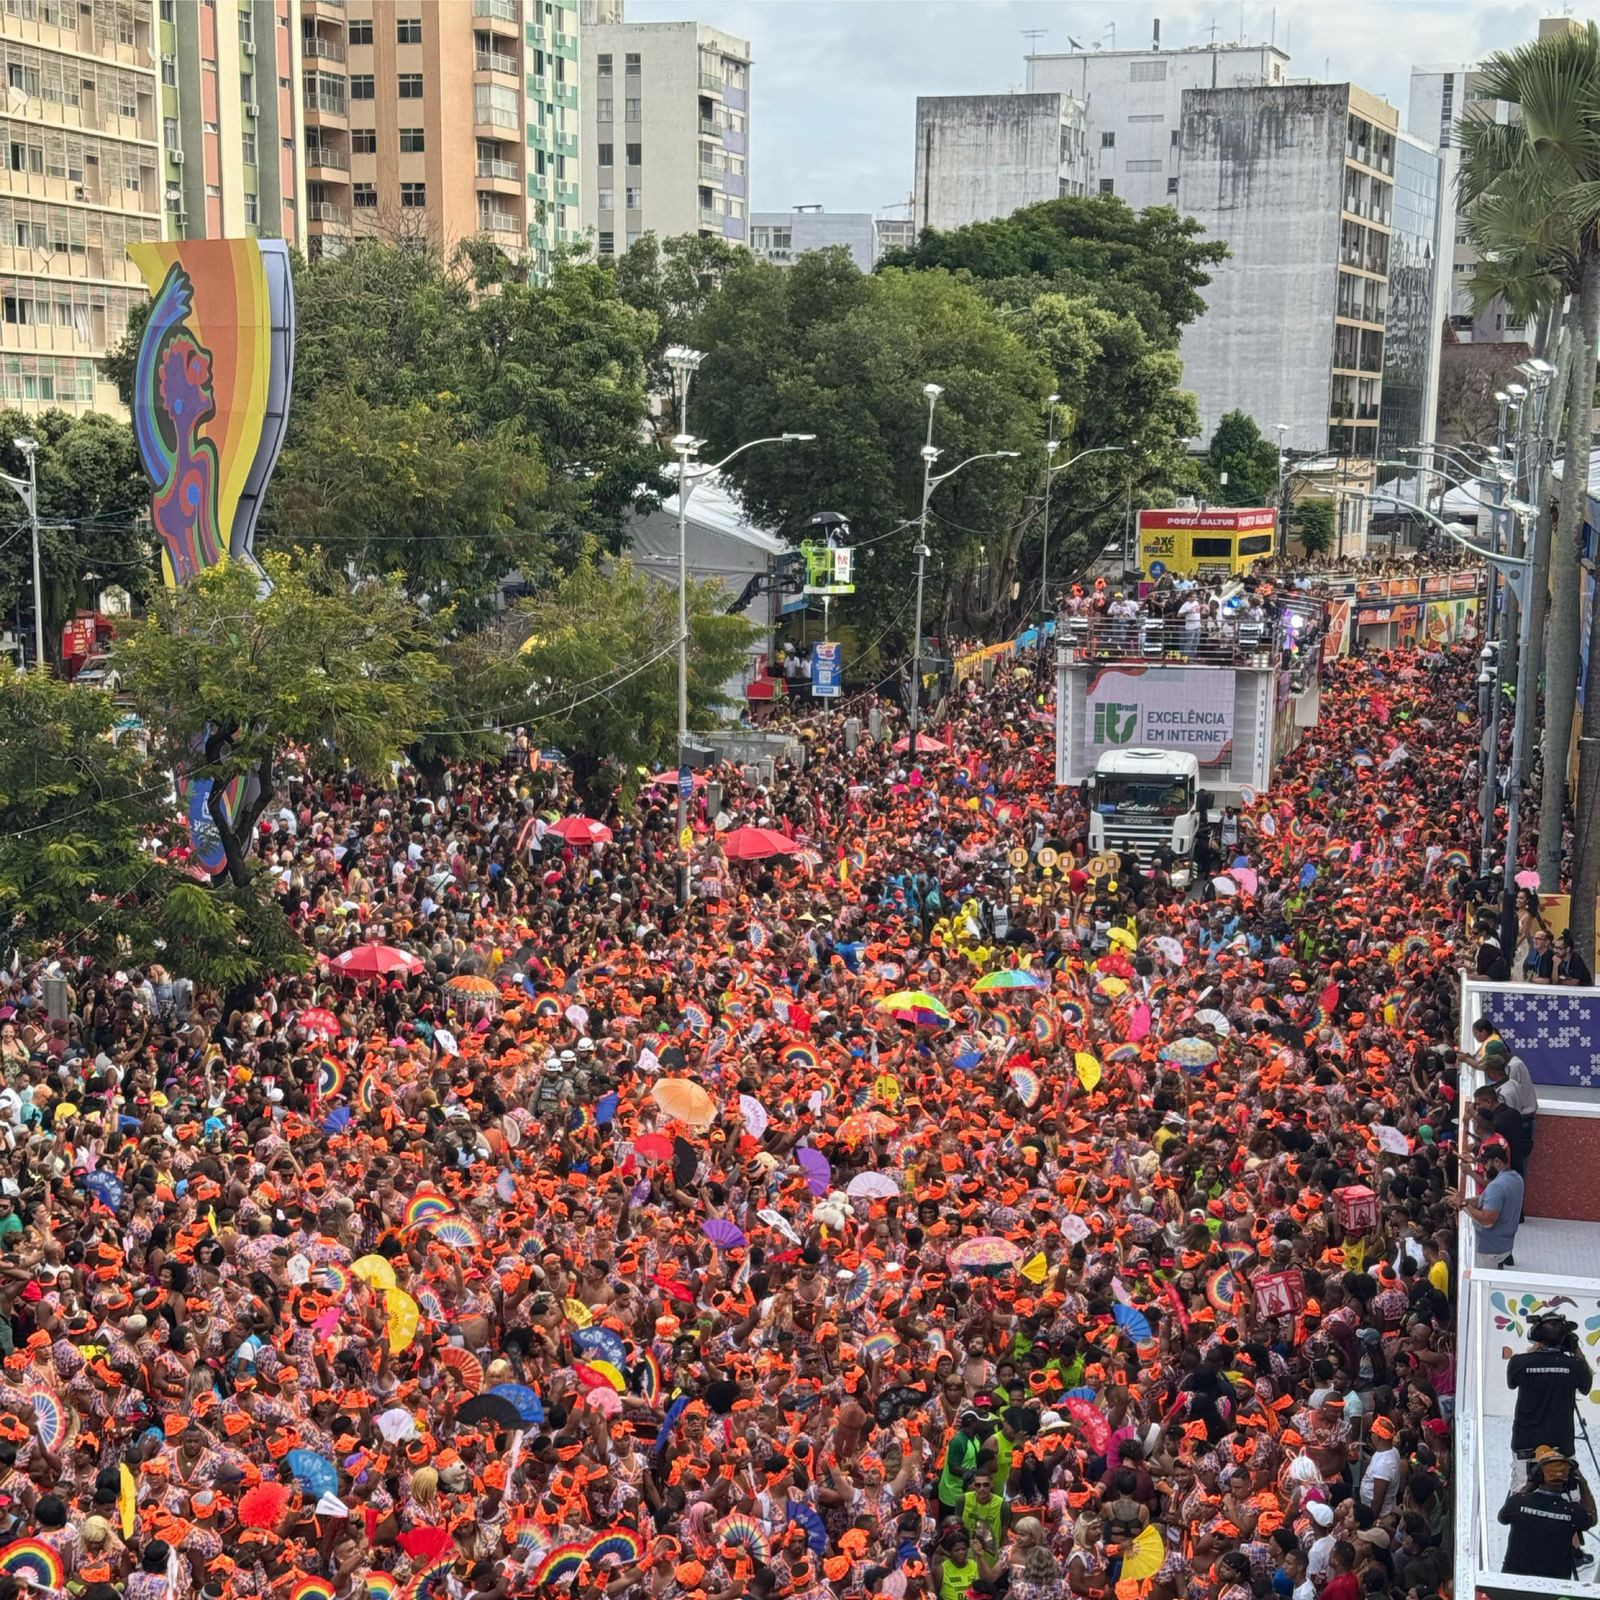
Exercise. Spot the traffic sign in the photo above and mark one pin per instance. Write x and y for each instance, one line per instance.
(686, 781)
(1158, 569)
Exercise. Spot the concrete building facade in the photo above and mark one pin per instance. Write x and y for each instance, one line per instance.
(781, 237)
(232, 135)
(666, 132)
(81, 181)
(982, 156)
(1299, 183)
(440, 120)
(1133, 106)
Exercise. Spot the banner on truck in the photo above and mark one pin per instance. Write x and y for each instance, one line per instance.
(1160, 708)
(1450, 622)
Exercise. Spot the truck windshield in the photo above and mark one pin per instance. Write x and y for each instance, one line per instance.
(1156, 797)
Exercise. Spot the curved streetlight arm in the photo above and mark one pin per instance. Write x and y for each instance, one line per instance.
(1094, 450)
(1493, 557)
(985, 455)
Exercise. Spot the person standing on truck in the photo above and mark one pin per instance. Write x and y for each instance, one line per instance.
(1191, 613)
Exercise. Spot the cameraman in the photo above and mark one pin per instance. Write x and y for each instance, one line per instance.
(1548, 1379)
(1545, 1517)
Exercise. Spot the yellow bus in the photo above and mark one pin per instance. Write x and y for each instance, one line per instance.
(1224, 540)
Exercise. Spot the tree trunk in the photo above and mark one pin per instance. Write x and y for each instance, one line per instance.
(1566, 574)
(1539, 578)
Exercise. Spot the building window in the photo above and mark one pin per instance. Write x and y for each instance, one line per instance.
(169, 10)
(252, 209)
(1147, 71)
(366, 196)
(608, 243)
(410, 85)
(408, 30)
(247, 146)
(606, 154)
(603, 107)
(364, 141)
(362, 86)
(247, 87)
(169, 134)
(1172, 185)
(413, 196)
(1175, 138)
(635, 197)
(630, 62)
(1108, 140)
(602, 63)
(1108, 186)
(630, 109)
(606, 199)
(359, 32)
(635, 155)
(412, 141)
(169, 71)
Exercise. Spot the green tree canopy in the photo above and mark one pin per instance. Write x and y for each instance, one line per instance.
(600, 658)
(1250, 462)
(93, 500)
(1148, 264)
(1313, 522)
(227, 677)
(85, 828)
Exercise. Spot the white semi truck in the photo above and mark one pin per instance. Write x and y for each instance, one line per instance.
(1141, 800)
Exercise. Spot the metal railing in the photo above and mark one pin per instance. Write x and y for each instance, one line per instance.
(499, 169)
(313, 44)
(331, 105)
(1234, 642)
(327, 211)
(498, 222)
(324, 155)
(494, 61)
(711, 82)
(500, 10)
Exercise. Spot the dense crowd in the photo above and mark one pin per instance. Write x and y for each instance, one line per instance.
(899, 1217)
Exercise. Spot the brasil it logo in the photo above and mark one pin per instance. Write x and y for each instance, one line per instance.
(1114, 722)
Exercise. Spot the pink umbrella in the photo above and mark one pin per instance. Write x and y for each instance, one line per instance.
(926, 745)
(754, 844)
(581, 830)
(374, 961)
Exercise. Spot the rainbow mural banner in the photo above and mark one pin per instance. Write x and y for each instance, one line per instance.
(210, 409)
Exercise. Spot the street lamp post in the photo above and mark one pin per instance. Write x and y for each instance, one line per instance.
(1514, 569)
(931, 393)
(1051, 445)
(28, 491)
(684, 363)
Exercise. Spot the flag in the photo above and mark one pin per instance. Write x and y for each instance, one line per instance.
(1555, 1031)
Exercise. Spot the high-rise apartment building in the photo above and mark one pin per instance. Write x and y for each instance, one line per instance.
(439, 120)
(1299, 182)
(231, 129)
(1133, 105)
(81, 181)
(982, 156)
(666, 132)
(1441, 95)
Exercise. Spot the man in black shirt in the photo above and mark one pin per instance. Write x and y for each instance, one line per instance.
(1544, 1516)
(1548, 1379)
(1506, 1123)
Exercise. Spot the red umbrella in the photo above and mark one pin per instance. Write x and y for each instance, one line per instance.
(374, 961)
(582, 830)
(927, 745)
(752, 844)
(319, 1022)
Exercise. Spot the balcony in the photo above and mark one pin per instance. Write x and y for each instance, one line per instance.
(494, 119)
(327, 211)
(495, 61)
(319, 103)
(314, 6)
(507, 170)
(710, 217)
(503, 11)
(711, 83)
(711, 128)
(710, 173)
(313, 44)
(326, 156)
(498, 222)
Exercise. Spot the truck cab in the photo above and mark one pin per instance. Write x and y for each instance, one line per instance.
(1141, 800)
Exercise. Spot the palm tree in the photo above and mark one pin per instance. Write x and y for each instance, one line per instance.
(1547, 162)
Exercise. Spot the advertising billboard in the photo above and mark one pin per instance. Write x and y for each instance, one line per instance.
(1160, 708)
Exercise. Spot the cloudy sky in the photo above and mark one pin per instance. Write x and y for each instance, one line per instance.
(835, 82)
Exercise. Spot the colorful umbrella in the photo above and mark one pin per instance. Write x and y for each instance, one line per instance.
(756, 844)
(581, 830)
(1192, 1054)
(686, 1100)
(986, 1253)
(927, 745)
(318, 1022)
(374, 961)
(1010, 978)
(865, 1125)
(472, 987)
(915, 1006)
